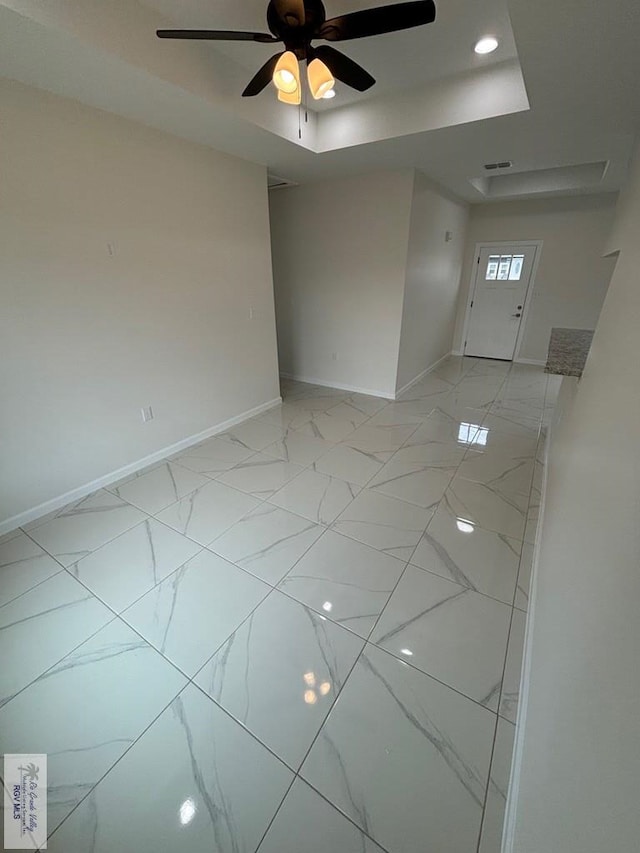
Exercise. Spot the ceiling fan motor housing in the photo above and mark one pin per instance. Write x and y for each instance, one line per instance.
(292, 27)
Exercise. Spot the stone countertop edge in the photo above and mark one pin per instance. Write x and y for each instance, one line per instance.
(568, 351)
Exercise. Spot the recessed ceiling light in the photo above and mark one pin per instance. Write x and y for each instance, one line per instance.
(486, 45)
(328, 95)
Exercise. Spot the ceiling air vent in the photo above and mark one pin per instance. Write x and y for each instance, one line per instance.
(277, 183)
(491, 167)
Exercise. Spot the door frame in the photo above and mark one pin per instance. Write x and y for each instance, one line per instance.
(502, 244)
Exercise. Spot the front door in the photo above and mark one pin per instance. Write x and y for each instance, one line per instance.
(503, 276)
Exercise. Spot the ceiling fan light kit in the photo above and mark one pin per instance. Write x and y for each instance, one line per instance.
(297, 23)
(321, 80)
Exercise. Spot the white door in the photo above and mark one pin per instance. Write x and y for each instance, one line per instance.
(503, 276)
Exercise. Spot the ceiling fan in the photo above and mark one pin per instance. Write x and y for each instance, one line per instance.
(297, 23)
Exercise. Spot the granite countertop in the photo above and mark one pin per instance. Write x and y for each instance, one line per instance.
(568, 351)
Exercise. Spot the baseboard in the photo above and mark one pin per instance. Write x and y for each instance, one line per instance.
(108, 479)
(533, 361)
(420, 376)
(385, 395)
(513, 792)
(457, 352)
(339, 386)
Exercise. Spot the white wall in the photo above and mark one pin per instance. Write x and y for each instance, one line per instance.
(579, 745)
(362, 270)
(432, 279)
(339, 255)
(572, 277)
(86, 338)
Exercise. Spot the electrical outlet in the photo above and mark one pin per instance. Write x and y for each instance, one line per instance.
(448, 237)
(111, 249)
(251, 312)
(334, 356)
(147, 414)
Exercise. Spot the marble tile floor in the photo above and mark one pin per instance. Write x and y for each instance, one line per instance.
(301, 636)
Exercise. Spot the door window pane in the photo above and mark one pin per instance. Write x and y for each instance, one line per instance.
(505, 268)
(492, 267)
(516, 268)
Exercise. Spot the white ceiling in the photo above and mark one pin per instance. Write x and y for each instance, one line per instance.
(561, 91)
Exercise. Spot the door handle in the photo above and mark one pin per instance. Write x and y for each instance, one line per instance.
(516, 315)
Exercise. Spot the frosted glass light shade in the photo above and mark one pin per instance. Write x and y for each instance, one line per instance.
(321, 80)
(290, 98)
(286, 76)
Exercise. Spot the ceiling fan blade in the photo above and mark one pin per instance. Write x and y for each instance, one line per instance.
(216, 35)
(262, 78)
(344, 69)
(373, 22)
(291, 12)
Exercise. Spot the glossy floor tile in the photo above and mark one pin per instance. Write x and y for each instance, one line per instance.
(448, 631)
(119, 685)
(460, 551)
(403, 413)
(441, 427)
(213, 456)
(390, 525)
(260, 475)
(358, 407)
(280, 672)
(127, 567)
(506, 473)
(206, 784)
(406, 758)
(308, 822)
(415, 482)
(379, 440)
(304, 635)
(267, 542)
(209, 511)
(42, 626)
(326, 426)
(253, 435)
(156, 489)
(23, 565)
(351, 464)
(443, 453)
(485, 505)
(193, 611)
(318, 497)
(299, 449)
(344, 580)
(81, 528)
